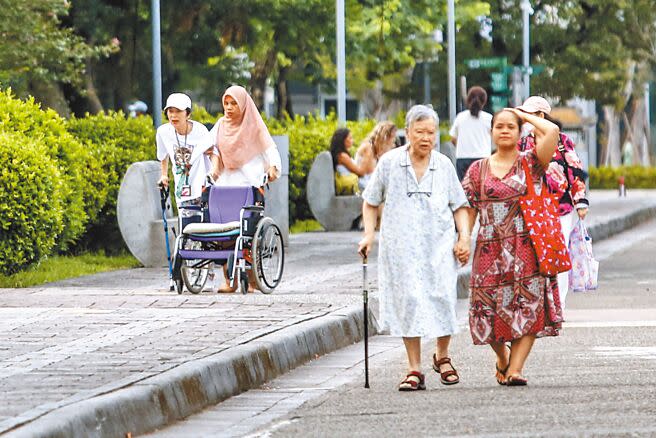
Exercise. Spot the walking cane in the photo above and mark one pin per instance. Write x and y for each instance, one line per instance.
(163, 196)
(365, 299)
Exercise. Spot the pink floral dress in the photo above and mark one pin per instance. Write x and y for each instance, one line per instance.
(509, 298)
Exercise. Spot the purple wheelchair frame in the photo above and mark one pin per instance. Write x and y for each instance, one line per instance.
(225, 204)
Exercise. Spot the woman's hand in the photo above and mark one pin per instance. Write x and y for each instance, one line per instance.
(582, 212)
(365, 245)
(163, 181)
(462, 249)
(272, 173)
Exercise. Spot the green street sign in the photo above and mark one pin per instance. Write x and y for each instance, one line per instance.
(499, 82)
(532, 70)
(494, 62)
(498, 102)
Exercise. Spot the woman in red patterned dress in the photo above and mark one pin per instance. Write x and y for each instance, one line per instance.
(510, 301)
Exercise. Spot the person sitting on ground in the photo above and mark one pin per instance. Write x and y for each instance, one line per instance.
(246, 151)
(188, 145)
(346, 170)
(380, 140)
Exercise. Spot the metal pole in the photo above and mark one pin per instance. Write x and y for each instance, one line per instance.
(427, 90)
(341, 65)
(452, 59)
(526, 12)
(157, 65)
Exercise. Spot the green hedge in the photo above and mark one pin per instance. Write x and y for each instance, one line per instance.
(115, 143)
(635, 177)
(308, 136)
(32, 197)
(74, 161)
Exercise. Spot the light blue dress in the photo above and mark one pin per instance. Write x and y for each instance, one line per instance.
(417, 270)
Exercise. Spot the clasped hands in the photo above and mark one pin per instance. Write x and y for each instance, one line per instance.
(462, 248)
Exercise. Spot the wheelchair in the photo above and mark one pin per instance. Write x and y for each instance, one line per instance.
(228, 227)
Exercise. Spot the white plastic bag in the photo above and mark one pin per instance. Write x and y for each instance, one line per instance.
(585, 268)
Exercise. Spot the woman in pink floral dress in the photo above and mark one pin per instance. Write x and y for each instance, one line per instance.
(510, 301)
(565, 178)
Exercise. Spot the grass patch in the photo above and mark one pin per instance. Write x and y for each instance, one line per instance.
(62, 267)
(304, 226)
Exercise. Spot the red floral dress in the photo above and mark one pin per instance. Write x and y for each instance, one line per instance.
(509, 298)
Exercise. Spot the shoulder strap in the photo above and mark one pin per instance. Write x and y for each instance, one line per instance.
(530, 188)
(482, 174)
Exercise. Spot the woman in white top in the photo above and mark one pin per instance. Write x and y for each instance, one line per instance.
(188, 145)
(470, 132)
(246, 148)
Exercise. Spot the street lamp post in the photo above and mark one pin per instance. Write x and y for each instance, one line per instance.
(452, 59)
(527, 10)
(341, 65)
(157, 65)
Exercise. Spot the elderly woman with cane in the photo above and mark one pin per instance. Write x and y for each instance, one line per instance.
(417, 266)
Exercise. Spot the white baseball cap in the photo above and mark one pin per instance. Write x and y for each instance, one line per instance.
(535, 104)
(178, 100)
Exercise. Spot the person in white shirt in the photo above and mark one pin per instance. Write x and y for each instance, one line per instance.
(245, 146)
(470, 132)
(189, 147)
(246, 150)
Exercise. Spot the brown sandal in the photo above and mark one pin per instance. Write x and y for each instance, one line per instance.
(516, 381)
(414, 381)
(444, 376)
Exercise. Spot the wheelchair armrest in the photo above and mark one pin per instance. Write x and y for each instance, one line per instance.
(253, 208)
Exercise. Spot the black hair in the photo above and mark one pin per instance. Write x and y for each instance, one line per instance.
(554, 121)
(519, 121)
(476, 100)
(337, 144)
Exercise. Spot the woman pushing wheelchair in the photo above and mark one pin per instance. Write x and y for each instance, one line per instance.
(246, 149)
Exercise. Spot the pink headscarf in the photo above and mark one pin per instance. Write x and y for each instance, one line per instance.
(240, 140)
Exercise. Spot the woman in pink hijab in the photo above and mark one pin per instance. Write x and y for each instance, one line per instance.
(246, 148)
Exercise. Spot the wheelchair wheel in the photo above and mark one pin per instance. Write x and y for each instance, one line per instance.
(268, 255)
(194, 272)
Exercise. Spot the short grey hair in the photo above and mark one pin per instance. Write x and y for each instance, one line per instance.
(420, 112)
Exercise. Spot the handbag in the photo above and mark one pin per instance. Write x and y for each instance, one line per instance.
(585, 269)
(540, 213)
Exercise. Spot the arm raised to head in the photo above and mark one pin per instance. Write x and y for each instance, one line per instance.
(546, 136)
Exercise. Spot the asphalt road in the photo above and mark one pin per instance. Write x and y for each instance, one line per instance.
(597, 379)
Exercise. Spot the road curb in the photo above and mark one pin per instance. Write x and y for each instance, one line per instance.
(175, 394)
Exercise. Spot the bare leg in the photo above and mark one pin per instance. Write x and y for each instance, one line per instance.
(227, 288)
(520, 349)
(413, 349)
(503, 359)
(442, 351)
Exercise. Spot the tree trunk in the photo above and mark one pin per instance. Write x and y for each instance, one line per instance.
(611, 155)
(283, 100)
(640, 132)
(50, 95)
(259, 76)
(93, 101)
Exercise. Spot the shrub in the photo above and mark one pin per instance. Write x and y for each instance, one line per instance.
(635, 177)
(74, 162)
(115, 143)
(308, 136)
(31, 202)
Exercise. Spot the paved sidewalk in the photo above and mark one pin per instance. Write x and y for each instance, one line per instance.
(117, 352)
